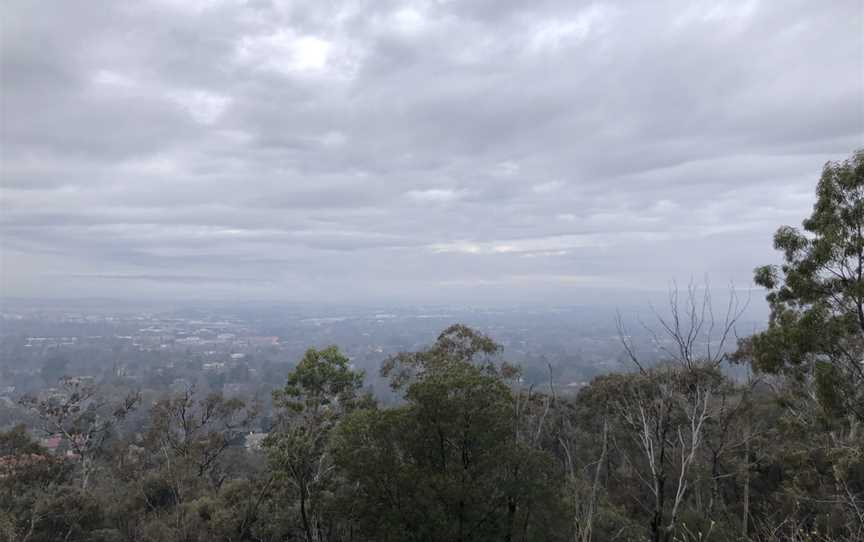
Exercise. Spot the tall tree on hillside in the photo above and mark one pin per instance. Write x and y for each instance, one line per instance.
(815, 338)
(318, 392)
(667, 410)
(448, 465)
(817, 295)
(188, 439)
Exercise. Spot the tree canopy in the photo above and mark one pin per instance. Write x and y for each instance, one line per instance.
(817, 294)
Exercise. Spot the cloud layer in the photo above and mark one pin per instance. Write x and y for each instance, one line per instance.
(445, 151)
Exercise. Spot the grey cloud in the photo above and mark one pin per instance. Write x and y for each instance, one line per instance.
(182, 279)
(332, 148)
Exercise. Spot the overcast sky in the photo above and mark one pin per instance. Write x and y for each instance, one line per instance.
(469, 151)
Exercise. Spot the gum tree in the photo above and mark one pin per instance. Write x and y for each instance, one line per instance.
(816, 295)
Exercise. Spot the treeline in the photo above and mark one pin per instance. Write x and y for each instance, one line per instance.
(676, 451)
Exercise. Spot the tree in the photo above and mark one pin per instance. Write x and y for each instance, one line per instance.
(448, 465)
(667, 410)
(318, 392)
(190, 434)
(816, 329)
(186, 447)
(84, 418)
(814, 343)
(456, 345)
(30, 480)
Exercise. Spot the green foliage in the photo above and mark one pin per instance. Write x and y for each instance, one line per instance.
(17, 442)
(190, 435)
(447, 465)
(817, 294)
(36, 500)
(458, 344)
(677, 452)
(318, 392)
(811, 477)
(323, 378)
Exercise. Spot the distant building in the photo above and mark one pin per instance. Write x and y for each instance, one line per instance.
(81, 380)
(263, 341)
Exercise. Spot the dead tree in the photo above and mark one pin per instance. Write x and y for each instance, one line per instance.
(666, 408)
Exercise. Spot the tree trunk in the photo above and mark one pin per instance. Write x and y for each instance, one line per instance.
(657, 521)
(304, 516)
(511, 516)
(715, 482)
(745, 516)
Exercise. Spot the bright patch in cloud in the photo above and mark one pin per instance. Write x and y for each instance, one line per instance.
(111, 78)
(547, 188)
(434, 195)
(539, 278)
(408, 21)
(717, 11)
(285, 52)
(552, 245)
(554, 34)
(203, 106)
(332, 139)
(195, 7)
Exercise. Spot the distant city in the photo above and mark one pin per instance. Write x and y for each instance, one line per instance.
(246, 351)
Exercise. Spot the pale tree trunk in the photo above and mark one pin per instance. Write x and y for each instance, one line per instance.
(307, 528)
(592, 503)
(745, 515)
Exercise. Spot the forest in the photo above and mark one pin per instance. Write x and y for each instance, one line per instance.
(675, 451)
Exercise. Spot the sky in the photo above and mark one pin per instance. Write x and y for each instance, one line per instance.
(472, 152)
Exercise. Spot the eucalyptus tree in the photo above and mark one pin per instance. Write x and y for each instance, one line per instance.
(318, 392)
(816, 295)
(815, 342)
(669, 411)
(84, 417)
(447, 465)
